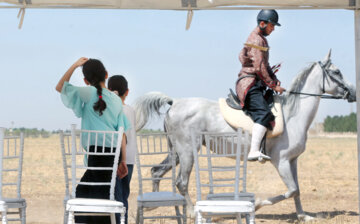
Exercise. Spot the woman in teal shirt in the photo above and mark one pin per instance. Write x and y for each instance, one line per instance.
(99, 109)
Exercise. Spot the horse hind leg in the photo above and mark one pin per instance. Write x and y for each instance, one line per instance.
(182, 181)
(160, 171)
(286, 175)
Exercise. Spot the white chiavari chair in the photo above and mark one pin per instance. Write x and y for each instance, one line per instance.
(83, 144)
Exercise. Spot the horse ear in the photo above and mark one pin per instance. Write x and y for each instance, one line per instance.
(327, 57)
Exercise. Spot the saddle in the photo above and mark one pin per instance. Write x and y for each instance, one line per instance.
(236, 118)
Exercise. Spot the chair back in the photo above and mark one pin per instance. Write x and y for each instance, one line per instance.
(65, 144)
(85, 143)
(155, 152)
(220, 166)
(11, 160)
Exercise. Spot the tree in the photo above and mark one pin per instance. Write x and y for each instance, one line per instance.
(340, 123)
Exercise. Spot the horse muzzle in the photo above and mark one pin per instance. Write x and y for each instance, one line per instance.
(350, 95)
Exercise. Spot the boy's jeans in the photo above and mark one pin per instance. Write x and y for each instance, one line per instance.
(122, 192)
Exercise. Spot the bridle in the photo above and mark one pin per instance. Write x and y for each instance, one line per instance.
(327, 74)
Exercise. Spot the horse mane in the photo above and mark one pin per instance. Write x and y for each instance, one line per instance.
(291, 101)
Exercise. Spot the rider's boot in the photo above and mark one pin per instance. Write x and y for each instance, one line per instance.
(258, 133)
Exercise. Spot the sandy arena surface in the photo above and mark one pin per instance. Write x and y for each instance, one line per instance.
(327, 176)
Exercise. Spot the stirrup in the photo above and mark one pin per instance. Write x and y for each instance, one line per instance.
(261, 158)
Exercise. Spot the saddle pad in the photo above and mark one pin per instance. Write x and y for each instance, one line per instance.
(238, 119)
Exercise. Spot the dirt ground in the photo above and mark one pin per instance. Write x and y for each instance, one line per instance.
(327, 176)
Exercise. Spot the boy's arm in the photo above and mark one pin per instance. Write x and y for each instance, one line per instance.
(66, 77)
(122, 170)
(123, 149)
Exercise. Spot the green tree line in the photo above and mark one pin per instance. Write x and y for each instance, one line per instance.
(340, 123)
(34, 132)
(29, 132)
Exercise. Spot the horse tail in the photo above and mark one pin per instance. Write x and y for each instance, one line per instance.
(149, 104)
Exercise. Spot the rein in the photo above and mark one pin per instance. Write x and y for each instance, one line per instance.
(325, 96)
(322, 96)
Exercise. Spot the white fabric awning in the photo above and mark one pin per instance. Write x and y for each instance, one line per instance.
(181, 4)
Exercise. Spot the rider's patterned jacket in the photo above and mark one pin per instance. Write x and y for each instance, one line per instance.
(254, 58)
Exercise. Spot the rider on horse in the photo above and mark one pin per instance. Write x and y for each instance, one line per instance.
(255, 77)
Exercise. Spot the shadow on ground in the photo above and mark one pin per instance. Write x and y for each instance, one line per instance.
(291, 218)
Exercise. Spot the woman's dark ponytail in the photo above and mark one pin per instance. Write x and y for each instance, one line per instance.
(100, 105)
(95, 73)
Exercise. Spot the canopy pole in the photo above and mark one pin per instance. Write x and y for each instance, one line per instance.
(357, 64)
(189, 18)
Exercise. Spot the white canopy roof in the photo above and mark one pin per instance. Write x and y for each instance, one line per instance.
(181, 4)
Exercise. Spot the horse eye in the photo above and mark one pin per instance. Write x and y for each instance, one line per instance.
(337, 72)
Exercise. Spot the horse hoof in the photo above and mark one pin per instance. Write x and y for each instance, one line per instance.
(258, 204)
(306, 218)
(191, 214)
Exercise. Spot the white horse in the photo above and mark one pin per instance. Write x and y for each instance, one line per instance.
(203, 115)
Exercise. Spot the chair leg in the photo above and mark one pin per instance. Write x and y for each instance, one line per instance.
(112, 217)
(4, 216)
(141, 215)
(66, 216)
(22, 213)
(137, 215)
(238, 218)
(71, 218)
(122, 217)
(177, 211)
(247, 217)
(208, 220)
(184, 214)
(198, 218)
(252, 218)
(66, 213)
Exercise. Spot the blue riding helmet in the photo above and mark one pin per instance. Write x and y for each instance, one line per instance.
(268, 15)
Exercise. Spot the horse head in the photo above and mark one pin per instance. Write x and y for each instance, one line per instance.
(334, 82)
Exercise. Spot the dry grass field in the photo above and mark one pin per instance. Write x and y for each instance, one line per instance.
(327, 174)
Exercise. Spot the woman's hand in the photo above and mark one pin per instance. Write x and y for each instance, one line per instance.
(66, 77)
(80, 62)
(122, 170)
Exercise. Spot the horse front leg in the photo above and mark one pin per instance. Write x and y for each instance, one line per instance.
(284, 169)
(299, 210)
(182, 181)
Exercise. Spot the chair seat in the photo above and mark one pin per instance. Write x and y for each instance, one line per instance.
(94, 205)
(14, 202)
(243, 196)
(94, 202)
(225, 206)
(160, 196)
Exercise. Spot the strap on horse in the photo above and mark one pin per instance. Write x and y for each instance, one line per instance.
(233, 101)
